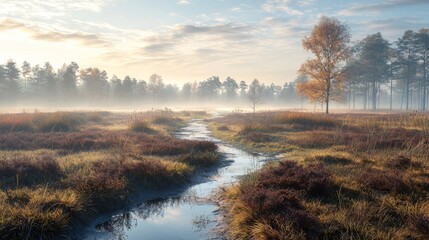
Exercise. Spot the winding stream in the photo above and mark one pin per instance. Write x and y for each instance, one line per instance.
(188, 213)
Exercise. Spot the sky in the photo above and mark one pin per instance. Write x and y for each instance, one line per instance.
(189, 40)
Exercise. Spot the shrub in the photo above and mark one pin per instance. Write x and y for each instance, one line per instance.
(223, 128)
(147, 172)
(419, 225)
(153, 173)
(388, 181)
(37, 214)
(58, 122)
(16, 123)
(140, 126)
(399, 163)
(73, 141)
(329, 159)
(258, 137)
(170, 146)
(96, 116)
(306, 119)
(271, 201)
(102, 184)
(313, 180)
(275, 197)
(165, 120)
(47, 122)
(200, 159)
(29, 170)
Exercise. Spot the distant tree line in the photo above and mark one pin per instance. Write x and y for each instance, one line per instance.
(70, 86)
(368, 73)
(398, 71)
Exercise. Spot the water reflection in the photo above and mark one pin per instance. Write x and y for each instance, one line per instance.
(189, 215)
(118, 225)
(153, 209)
(171, 218)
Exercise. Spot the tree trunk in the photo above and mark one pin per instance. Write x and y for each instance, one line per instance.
(328, 92)
(407, 88)
(354, 96)
(424, 83)
(350, 96)
(374, 96)
(391, 87)
(365, 95)
(403, 95)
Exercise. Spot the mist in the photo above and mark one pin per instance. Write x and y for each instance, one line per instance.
(399, 82)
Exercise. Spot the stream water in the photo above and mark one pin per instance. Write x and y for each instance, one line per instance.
(188, 213)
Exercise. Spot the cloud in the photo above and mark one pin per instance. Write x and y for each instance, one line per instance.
(236, 9)
(228, 31)
(51, 35)
(391, 28)
(183, 2)
(158, 47)
(190, 45)
(284, 27)
(48, 9)
(280, 5)
(194, 35)
(306, 2)
(377, 7)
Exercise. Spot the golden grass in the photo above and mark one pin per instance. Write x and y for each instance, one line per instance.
(39, 203)
(37, 213)
(48, 122)
(379, 171)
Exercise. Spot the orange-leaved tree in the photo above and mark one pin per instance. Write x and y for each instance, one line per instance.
(329, 43)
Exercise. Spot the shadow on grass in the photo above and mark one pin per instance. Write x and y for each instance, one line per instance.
(334, 160)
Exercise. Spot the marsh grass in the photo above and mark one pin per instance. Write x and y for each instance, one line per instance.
(376, 183)
(28, 170)
(140, 126)
(48, 122)
(39, 213)
(309, 120)
(16, 123)
(64, 171)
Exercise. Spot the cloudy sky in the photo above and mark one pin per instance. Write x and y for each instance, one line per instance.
(189, 40)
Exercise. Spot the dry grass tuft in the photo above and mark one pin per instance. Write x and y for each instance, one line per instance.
(25, 170)
(274, 200)
(141, 126)
(388, 181)
(37, 214)
(419, 225)
(378, 182)
(62, 172)
(309, 120)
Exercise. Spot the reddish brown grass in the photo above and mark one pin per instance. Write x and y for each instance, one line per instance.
(25, 170)
(387, 181)
(419, 224)
(277, 193)
(16, 123)
(309, 120)
(165, 146)
(313, 180)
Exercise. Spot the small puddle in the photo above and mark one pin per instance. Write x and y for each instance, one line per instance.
(187, 214)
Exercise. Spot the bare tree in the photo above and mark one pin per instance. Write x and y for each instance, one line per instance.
(254, 94)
